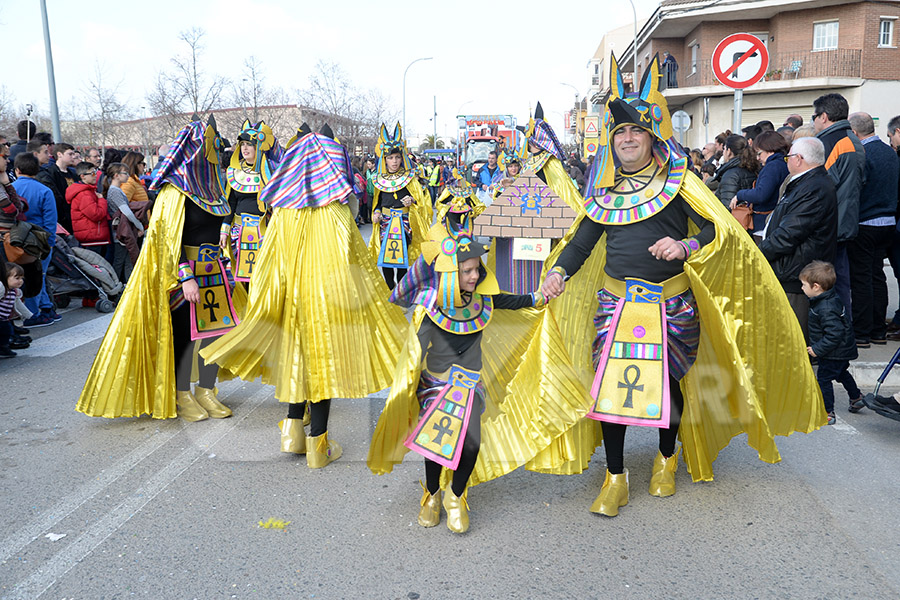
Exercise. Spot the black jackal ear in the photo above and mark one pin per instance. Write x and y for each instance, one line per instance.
(326, 131)
(539, 111)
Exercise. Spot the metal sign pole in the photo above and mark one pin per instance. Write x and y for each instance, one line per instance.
(738, 106)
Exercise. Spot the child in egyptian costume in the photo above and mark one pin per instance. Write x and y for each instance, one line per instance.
(177, 295)
(510, 160)
(476, 402)
(458, 192)
(679, 335)
(318, 325)
(249, 171)
(401, 209)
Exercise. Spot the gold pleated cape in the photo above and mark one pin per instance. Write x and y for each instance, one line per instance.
(752, 373)
(420, 217)
(533, 394)
(134, 370)
(318, 324)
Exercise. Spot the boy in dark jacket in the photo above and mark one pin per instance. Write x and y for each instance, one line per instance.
(830, 334)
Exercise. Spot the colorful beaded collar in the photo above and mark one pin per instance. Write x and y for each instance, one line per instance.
(243, 180)
(637, 197)
(536, 162)
(471, 318)
(393, 181)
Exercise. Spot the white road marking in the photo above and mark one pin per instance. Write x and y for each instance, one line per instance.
(844, 427)
(69, 338)
(49, 572)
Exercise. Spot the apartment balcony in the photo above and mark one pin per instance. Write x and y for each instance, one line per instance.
(787, 71)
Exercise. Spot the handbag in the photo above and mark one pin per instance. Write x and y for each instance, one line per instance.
(743, 213)
(16, 254)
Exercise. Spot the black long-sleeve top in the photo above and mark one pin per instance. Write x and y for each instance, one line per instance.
(626, 245)
(242, 203)
(389, 200)
(443, 349)
(200, 227)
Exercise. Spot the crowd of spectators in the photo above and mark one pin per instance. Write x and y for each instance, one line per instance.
(98, 202)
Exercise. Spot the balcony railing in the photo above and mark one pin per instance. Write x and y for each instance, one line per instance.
(842, 62)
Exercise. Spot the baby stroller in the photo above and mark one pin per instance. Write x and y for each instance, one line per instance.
(885, 406)
(76, 271)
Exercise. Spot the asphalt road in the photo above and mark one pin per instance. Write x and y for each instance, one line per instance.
(168, 509)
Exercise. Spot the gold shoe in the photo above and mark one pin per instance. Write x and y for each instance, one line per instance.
(188, 408)
(662, 478)
(207, 399)
(457, 511)
(613, 495)
(430, 515)
(320, 451)
(293, 438)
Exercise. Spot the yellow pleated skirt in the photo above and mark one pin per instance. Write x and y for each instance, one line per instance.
(319, 324)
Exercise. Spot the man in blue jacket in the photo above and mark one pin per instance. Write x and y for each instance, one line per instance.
(877, 220)
(845, 161)
(41, 211)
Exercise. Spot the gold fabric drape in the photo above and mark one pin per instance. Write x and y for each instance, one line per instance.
(318, 324)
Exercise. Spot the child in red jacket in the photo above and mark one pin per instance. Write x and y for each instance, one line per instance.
(90, 220)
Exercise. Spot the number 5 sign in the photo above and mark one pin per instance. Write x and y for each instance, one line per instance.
(531, 249)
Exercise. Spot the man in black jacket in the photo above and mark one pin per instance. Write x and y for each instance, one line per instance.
(845, 160)
(55, 175)
(803, 226)
(877, 223)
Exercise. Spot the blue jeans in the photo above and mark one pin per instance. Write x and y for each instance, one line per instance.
(835, 370)
(42, 301)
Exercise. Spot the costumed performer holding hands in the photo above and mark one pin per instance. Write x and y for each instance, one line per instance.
(474, 402)
(318, 325)
(399, 222)
(177, 294)
(670, 259)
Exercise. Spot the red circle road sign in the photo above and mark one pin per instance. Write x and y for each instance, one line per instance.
(740, 60)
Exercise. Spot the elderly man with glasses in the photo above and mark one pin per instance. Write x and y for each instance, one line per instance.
(803, 226)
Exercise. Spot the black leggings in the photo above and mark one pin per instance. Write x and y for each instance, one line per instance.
(471, 446)
(614, 433)
(389, 276)
(183, 346)
(318, 415)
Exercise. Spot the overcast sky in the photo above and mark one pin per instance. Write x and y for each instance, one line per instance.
(488, 57)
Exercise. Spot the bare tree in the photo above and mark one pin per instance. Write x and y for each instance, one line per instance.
(186, 88)
(256, 99)
(353, 115)
(7, 102)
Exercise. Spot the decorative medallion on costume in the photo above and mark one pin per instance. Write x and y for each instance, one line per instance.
(318, 325)
(395, 241)
(245, 180)
(734, 375)
(132, 373)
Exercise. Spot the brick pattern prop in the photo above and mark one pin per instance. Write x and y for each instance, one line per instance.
(526, 209)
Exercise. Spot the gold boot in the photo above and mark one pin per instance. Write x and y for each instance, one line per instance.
(320, 451)
(613, 495)
(207, 399)
(457, 511)
(430, 515)
(188, 408)
(662, 477)
(293, 438)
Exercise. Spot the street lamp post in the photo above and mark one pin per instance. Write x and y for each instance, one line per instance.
(404, 88)
(635, 53)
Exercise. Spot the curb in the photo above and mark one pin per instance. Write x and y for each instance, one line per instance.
(866, 375)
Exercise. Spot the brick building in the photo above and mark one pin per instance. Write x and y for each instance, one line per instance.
(815, 47)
